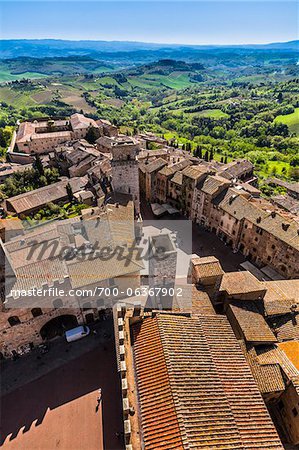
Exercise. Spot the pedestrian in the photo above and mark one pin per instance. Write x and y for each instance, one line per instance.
(99, 399)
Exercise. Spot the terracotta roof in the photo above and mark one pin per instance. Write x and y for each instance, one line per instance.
(151, 153)
(242, 282)
(274, 355)
(194, 172)
(171, 170)
(177, 178)
(208, 266)
(268, 376)
(40, 273)
(91, 271)
(236, 169)
(291, 349)
(213, 183)
(241, 208)
(79, 121)
(159, 418)
(11, 224)
(286, 202)
(201, 303)
(251, 322)
(280, 296)
(185, 367)
(287, 327)
(39, 197)
(25, 130)
(155, 165)
(293, 187)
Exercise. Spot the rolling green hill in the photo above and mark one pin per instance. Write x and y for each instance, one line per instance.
(291, 120)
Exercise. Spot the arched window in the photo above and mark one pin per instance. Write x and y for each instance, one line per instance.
(14, 320)
(57, 303)
(36, 312)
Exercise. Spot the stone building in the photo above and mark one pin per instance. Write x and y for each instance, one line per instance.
(106, 128)
(162, 261)
(151, 169)
(241, 169)
(191, 176)
(264, 317)
(74, 158)
(206, 271)
(163, 177)
(44, 135)
(206, 189)
(62, 260)
(175, 190)
(124, 168)
(32, 201)
(271, 239)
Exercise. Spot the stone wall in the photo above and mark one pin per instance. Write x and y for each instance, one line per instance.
(125, 179)
(28, 330)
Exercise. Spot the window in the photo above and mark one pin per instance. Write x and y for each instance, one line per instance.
(269, 258)
(57, 303)
(13, 320)
(295, 412)
(273, 247)
(36, 312)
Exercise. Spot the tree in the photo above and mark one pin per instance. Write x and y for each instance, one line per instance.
(69, 191)
(280, 97)
(38, 165)
(225, 160)
(206, 157)
(294, 161)
(211, 155)
(92, 135)
(222, 160)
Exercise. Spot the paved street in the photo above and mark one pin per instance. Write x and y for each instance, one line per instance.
(58, 410)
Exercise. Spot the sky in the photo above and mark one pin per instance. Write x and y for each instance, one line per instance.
(181, 22)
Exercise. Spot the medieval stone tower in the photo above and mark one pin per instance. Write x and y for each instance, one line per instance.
(125, 175)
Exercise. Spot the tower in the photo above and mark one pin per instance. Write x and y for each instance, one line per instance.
(124, 164)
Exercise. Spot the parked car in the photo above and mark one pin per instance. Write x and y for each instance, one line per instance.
(77, 333)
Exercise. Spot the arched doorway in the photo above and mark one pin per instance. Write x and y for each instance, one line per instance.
(57, 326)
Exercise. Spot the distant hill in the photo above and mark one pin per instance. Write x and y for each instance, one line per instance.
(41, 48)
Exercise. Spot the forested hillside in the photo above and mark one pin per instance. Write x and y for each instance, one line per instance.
(230, 110)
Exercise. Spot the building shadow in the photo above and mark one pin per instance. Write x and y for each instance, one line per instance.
(28, 405)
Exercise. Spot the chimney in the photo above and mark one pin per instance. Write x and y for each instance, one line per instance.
(259, 219)
(285, 226)
(273, 214)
